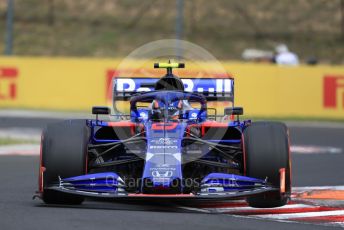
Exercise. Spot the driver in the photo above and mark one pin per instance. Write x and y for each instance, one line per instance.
(175, 108)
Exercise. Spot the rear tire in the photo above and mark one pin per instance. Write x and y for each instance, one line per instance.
(64, 151)
(266, 152)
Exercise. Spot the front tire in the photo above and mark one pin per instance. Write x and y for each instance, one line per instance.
(64, 151)
(266, 152)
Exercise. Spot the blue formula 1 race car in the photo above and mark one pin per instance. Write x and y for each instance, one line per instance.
(169, 145)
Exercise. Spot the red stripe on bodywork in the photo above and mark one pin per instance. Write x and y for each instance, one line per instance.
(214, 124)
(123, 124)
(126, 124)
(164, 126)
(120, 123)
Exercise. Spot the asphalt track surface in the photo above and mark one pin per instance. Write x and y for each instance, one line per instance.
(18, 176)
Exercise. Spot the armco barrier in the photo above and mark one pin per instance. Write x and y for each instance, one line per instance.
(262, 89)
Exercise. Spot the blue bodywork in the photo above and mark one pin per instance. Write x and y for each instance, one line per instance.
(163, 158)
(99, 182)
(163, 166)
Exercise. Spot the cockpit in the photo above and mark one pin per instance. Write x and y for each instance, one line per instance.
(168, 105)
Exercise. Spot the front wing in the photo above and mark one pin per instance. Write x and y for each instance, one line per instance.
(139, 196)
(110, 185)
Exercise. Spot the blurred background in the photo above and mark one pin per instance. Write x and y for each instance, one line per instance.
(287, 56)
(313, 29)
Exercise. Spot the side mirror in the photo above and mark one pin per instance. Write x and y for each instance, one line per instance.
(234, 111)
(100, 110)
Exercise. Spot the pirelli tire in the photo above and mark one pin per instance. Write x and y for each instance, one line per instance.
(64, 154)
(266, 146)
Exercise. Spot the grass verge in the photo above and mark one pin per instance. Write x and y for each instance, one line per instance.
(13, 141)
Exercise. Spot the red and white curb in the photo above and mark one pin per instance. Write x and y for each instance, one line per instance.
(303, 208)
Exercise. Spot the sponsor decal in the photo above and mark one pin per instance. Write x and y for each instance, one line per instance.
(163, 147)
(333, 89)
(164, 141)
(191, 85)
(143, 115)
(156, 173)
(193, 115)
(162, 169)
(164, 126)
(8, 83)
(162, 175)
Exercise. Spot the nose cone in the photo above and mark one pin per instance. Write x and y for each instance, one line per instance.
(162, 170)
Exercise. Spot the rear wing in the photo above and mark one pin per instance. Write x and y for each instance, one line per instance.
(220, 89)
